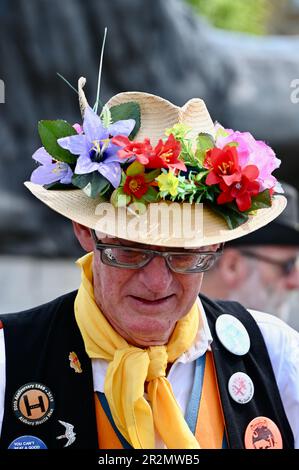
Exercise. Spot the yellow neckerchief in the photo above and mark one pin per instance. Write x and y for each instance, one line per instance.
(130, 367)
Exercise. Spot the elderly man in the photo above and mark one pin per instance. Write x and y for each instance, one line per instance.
(134, 358)
(265, 262)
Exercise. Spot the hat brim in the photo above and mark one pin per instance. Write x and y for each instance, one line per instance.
(274, 233)
(95, 214)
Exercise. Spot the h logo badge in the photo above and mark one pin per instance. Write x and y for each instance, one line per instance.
(33, 403)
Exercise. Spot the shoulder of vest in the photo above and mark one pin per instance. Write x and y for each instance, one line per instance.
(40, 314)
(218, 307)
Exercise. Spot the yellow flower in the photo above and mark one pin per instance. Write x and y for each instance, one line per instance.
(168, 182)
(179, 131)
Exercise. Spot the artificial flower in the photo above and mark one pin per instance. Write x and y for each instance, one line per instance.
(78, 128)
(164, 155)
(242, 190)
(94, 147)
(224, 166)
(252, 152)
(135, 186)
(179, 131)
(168, 182)
(50, 172)
(142, 151)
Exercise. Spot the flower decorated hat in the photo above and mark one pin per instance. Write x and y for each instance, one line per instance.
(142, 161)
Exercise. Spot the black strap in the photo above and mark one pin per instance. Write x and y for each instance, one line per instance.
(256, 363)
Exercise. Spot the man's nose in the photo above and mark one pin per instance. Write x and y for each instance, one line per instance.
(156, 275)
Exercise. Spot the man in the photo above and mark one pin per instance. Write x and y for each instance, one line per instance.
(135, 359)
(265, 262)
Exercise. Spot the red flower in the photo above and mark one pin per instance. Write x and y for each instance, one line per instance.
(136, 186)
(241, 190)
(224, 164)
(140, 150)
(165, 155)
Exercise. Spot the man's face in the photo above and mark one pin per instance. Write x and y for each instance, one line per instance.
(143, 305)
(272, 287)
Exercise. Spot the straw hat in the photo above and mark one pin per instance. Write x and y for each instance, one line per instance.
(205, 227)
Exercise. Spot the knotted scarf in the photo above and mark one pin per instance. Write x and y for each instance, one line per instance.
(131, 367)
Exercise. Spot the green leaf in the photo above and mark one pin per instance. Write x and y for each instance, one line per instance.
(151, 195)
(233, 217)
(49, 132)
(135, 168)
(130, 110)
(58, 186)
(119, 198)
(81, 180)
(106, 116)
(205, 142)
(261, 201)
(233, 144)
(94, 184)
(149, 177)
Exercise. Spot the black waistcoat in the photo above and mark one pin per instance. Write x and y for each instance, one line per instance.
(38, 343)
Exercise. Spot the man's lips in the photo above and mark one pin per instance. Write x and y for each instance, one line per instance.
(152, 302)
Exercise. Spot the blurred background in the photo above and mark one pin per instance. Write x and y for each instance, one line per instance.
(241, 57)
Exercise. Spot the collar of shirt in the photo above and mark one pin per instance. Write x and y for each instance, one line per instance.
(199, 347)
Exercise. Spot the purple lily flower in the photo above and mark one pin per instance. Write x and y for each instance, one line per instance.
(94, 147)
(49, 172)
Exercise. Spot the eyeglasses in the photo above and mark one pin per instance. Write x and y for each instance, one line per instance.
(287, 266)
(121, 256)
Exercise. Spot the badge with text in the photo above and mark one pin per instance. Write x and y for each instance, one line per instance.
(74, 362)
(232, 334)
(241, 388)
(27, 442)
(262, 433)
(33, 403)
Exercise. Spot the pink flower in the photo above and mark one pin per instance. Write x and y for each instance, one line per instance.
(252, 152)
(78, 128)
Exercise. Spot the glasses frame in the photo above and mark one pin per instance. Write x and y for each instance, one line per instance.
(164, 254)
(287, 266)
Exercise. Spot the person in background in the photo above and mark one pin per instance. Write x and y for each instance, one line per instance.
(261, 270)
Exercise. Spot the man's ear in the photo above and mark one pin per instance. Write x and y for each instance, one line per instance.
(232, 267)
(84, 236)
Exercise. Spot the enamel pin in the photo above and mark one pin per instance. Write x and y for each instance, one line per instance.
(74, 362)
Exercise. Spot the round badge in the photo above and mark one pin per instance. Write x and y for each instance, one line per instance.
(33, 403)
(262, 433)
(27, 442)
(232, 334)
(241, 388)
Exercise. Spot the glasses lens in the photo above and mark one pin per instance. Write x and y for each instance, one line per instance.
(124, 257)
(290, 265)
(195, 262)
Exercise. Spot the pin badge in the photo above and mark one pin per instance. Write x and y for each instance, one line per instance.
(69, 434)
(241, 388)
(262, 433)
(33, 403)
(74, 362)
(232, 334)
(27, 442)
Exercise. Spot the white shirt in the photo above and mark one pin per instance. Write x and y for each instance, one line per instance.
(283, 347)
